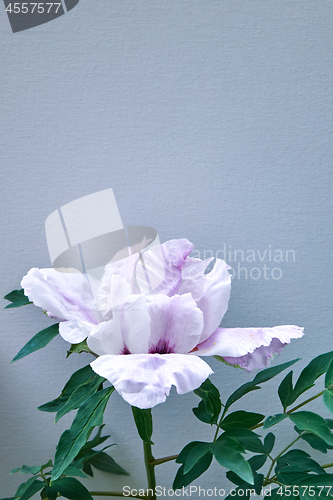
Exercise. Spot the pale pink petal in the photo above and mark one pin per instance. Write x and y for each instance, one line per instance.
(163, 265)
(113, 292)
(211, 291)
(74, 331)
(127, 332)
(62, 295)
(125, 269)
(237, 342)
(258, 359)
(176, 324)
(145, 380)
(106, 338)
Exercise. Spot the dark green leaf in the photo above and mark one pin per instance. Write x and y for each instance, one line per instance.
(260, 378)
(274, 419)
(71, 488)
(297, 461)
(257, 461)
(311, 422)
(328, 399)
(144, 423)
(315, 442)
(50, 493)
(29, 489)
(75, 469)
(89, 415)
(258, 482)
(80, 395)
(17, 299)
(40, 340)
(96, 441)
(79, 348)
(82, 376)
(318, 480)
(269, 442)
(228, 454)
(211, 398)
(285, 389)
(249, 440)
(198, 451)
(329, 375)
(27, 469)
(102, 461)
(201, 413)
(183, 480)
(317, 367)
(240, 494)
(241, 419)
(87, 469)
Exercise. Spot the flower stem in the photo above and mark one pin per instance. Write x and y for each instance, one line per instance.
(305, 402)
(150, 469)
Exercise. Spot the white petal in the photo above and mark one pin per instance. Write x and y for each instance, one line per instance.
(211, 291)
(127, 332)
(145, 380)
(176, 324)
(114, 291)
(106, 338)
(236, 342)
(62, 295)
(75, 331)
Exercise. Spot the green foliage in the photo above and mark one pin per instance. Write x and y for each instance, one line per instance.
(40, 340)
(183, 479)
(274, 419)
(241, 419)
(211, 401)
(17, 299)
(79, 348)
(311, 422)
(89, 415)
(68, 487)
(260, 378)
(144, 423)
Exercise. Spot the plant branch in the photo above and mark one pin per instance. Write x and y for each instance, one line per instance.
(305, 402)
(159, 461)
(113, 494)
(267, 479)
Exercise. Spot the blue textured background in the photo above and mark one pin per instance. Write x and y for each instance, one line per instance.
(211, 120)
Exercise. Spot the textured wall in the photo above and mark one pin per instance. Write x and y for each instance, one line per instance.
(211, 120)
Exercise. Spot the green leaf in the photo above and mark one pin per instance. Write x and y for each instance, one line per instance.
(318, 480)
(183, 480)
(297, 461)
(249, 440)
(260, 378)
(241, 419)
(13, 471)
(228, 455)
(256, 462)
(329, 375)
(285, 389)
(75, 469)
(17, 299)
(328, 399)
(102, 461)
(269, 442)
(201, 413)
(274, 419)
(211, 398)
(79, 348)
(82, 376)
(29, 488)
(198, 451)
(87, 469)
(315, 442)
(311, 422)
(27, 469)
(71, 488)
(96, 441)
(144, 423)
(40, 340)
(89, 415)
(317, 367)
(80, 395)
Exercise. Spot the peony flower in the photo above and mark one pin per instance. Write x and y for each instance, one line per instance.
(151, 318)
